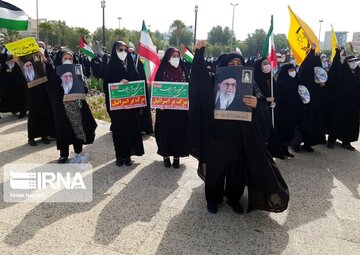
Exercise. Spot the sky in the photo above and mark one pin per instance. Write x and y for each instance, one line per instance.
(159, 14)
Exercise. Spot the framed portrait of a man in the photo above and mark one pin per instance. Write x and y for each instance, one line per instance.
(72, 85)
(232, 83)
(33, 69)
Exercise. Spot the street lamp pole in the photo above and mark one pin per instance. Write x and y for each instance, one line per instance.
(232, 25)
(37, 20)
(196, 11)
(119, 18)
(320, 21)
(103, 28)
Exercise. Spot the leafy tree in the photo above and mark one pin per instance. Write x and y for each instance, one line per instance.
(179, 34)
(218, 35)
(281, 42)
(254, 43)
(11, 35)
(45, 29)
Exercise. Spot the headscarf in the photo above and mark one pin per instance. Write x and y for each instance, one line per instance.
(227, 58)
(262, 79)
(167, 72)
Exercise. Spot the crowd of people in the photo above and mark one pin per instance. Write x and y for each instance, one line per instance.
(232, 154)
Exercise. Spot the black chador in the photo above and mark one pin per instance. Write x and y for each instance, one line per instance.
(125, 124)
(171, 126)
(344, 87)
(12, 89)
(236, 146)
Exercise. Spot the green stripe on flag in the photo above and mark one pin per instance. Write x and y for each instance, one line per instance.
(13, 24)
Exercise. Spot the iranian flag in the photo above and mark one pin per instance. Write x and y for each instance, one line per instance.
(147, 50)
(85, 48)
(188, 55)
(270, 52)
(11, 17)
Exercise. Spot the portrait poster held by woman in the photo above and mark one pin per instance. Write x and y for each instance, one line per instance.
(125, 124)
(235, 150)
(171, 126)
(74, 122)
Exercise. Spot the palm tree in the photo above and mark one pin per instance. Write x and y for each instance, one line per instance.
(177, 26)
(11, 36)
(46, 28)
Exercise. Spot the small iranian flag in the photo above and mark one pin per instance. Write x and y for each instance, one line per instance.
(270, 53)
(147, 50)
(85, 48)
(188, 55)
(11, 17)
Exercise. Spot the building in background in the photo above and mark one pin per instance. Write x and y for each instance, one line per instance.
(356, 41)
(340, 36)
(31, 28)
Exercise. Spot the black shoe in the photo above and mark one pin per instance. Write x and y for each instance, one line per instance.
(32, 142)
(45, 140)
(128, 161)
(236, 206)
(330, 145)
(308, 148)
(119, 161)
(296, 148)
(348, 146)
(62, 160)
(176, 163)
(212, 208)
(167, 162)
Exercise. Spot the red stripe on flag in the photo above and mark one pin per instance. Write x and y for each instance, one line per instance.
(149, 54)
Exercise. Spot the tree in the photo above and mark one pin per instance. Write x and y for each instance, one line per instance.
(11, 36)
(45, 29)
(281, 42)
(218, 35)
(254, 43)
(179, 34)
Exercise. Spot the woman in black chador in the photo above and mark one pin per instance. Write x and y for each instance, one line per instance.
(125, 124)
(313, 132)
(171, 126)
(288, 108)
(235, 150)
(344, 84)
(74, 121)
(262, 76)
(12, 88)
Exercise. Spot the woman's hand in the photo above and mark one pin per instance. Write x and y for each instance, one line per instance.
(124, 81)
(250, 101)
(200, 44)
(270, 99)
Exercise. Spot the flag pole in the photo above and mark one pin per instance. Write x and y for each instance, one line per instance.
(272, 86)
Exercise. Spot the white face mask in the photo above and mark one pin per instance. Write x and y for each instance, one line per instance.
(67, 62)
(42, 50)
(353, 65)
(121, 55)
(174, 62)
(266, 68)
(292, 74)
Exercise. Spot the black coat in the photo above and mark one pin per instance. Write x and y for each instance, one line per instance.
(226, 140)
(125, 124)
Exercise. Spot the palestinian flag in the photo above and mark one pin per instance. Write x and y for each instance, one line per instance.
(147, 50)
(188, 55)
(85, 48)
(11, 17)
